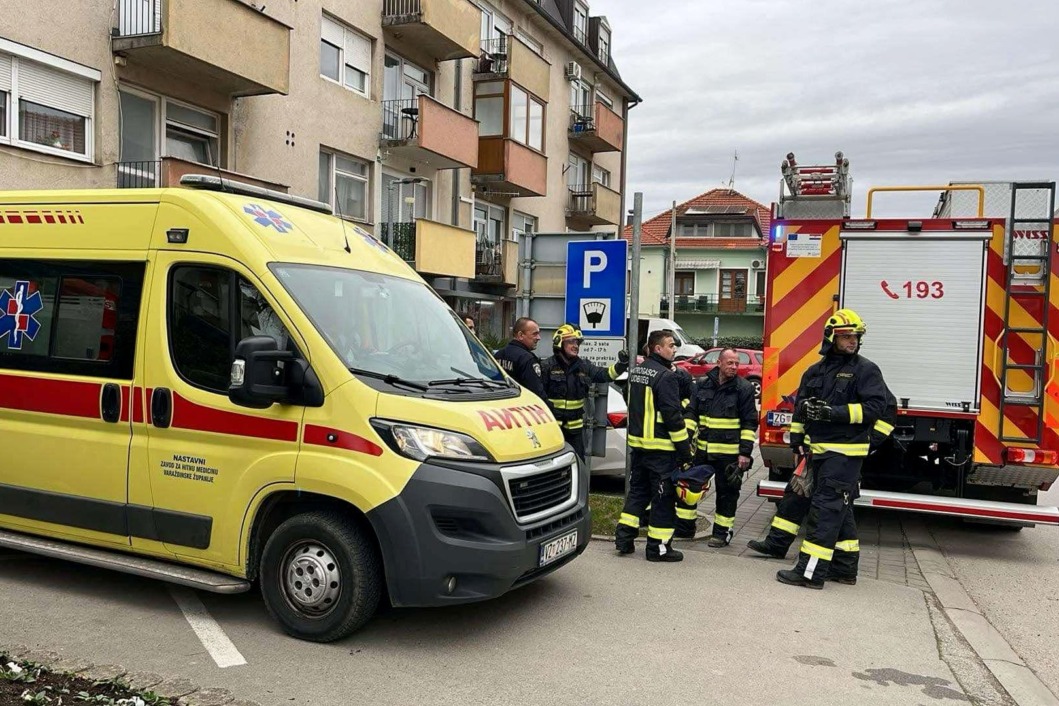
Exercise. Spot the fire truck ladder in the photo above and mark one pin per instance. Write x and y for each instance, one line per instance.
(1041, 258)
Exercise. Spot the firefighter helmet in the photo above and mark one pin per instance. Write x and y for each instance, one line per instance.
(842, 321)
(564, 332)
(690, 492)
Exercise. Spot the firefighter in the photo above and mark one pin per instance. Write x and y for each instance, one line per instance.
(684, 509)
(725, 412)
(794, 506)
(659, 443)
(567, 378)
(838, 402)
(518, 359)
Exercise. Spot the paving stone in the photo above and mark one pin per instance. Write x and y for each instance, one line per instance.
(174, 688)
(42, 657)
(71, 665)
(207, 697)
(103, 672)
(142, 681)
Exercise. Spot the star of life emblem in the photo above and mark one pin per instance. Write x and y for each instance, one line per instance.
(18, 309)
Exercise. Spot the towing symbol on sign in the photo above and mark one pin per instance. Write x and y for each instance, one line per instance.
(17, 314)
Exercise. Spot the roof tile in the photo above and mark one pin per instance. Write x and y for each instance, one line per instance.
(655, 231)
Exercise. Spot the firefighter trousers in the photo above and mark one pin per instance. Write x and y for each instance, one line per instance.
(576, 438)
(831, 533)
(650, 483)
(727, 499)
(790, 514)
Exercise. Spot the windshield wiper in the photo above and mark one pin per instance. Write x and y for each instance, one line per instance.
(390, 379)
(479, 382)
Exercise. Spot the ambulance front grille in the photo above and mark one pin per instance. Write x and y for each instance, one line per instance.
(541, 490)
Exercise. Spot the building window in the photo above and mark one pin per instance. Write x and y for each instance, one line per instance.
(527, 119)
(47, 107)
(534, 44)
(759, 283)
(732, 230)
(601, 175)
(202, 334)
(189, 133)
(76, 318)
(344, 183)
(345, 56)
(581, 99)
(489, 228)
(494, 27)
(581, 22)
(604, 44)
(692, 230)
(604, 99)
(521, 224)
(685, 283)
(489, 108)
(404, 203)
(578, 171)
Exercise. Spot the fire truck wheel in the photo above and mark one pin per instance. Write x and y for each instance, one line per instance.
(320, 576)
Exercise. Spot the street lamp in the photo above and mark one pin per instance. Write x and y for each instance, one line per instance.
(389, 204)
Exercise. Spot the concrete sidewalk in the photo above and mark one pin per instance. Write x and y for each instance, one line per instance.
(604, 630)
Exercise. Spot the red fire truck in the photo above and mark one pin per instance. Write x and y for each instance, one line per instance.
(963, 318)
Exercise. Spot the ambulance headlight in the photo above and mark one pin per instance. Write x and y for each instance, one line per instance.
(422, 443)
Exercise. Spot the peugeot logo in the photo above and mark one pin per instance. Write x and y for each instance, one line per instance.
(532, 436)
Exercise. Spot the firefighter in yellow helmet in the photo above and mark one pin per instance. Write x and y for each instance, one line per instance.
(839, 400)
(567, 377)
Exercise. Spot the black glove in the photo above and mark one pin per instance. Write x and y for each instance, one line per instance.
(733, 474)
(623, 357)
(818, 410)
(802, 479)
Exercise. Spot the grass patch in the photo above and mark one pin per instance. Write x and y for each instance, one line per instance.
(606, 509)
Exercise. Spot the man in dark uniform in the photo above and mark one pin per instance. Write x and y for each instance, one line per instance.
(839, 400)
(794, 506)
(518, 359)
(725, 411)
(659, 443)
(567, 378)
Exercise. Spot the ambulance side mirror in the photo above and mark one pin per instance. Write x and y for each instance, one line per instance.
(263, 375)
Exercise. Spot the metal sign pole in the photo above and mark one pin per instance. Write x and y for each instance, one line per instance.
(633, 332)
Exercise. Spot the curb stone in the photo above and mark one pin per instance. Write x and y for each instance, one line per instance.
(180, 691)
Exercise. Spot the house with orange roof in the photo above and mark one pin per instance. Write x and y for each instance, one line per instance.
(721, 237)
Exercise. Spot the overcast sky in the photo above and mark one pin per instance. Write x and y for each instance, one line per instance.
(913, 92)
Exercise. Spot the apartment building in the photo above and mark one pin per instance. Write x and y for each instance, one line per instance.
(447, 127)
(718, 272)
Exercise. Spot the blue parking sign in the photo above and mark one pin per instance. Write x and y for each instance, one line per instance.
(595, 286)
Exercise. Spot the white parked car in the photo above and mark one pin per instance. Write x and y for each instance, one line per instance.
(613, 464)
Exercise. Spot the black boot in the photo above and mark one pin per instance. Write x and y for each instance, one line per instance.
(795, 578)
(684, 533)
(624, 546)
(849, 580)
(662, 552)
(762, 547)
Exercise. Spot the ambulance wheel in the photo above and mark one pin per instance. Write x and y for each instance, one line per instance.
(320, 576)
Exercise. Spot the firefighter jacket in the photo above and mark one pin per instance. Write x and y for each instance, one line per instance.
(566, 386)
(853, 388)
(655, 419)
(725, 415)
(884, 426)
(523, 365)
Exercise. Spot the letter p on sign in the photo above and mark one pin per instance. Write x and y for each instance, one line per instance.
(595, 261)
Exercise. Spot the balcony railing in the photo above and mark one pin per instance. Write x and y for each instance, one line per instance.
(714, 304)
(581, 201)
(400, 119)
(402, 241)
(583, 118)
(494, 56)
(140, 175)
(139, 18)
(400, 8)
(488, 259)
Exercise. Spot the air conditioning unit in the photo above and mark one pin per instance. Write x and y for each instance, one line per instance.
(757, 264)
(573, 71)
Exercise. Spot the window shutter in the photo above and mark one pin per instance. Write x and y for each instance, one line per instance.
(55, 89)
(5, 72)
(358, 51)
(331, 32)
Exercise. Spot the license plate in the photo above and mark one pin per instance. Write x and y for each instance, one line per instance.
(550, 551)
(778, 419)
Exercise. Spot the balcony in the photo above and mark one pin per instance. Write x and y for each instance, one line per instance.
(508, 168)
(192, 39)
(713, 304)
(433, 248)
(597, 128)
(506, 57)
(594, 205)
(424, 130)
(496, 263)
(444, 29)
(168, 170)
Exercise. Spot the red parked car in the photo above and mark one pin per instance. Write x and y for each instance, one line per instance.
(750, 362)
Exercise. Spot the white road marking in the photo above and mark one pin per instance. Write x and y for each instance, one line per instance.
(209, 632)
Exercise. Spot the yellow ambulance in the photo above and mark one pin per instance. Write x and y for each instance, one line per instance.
(220, 384)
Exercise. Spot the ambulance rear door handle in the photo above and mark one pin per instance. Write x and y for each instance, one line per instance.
(110, 403)
(161, 407)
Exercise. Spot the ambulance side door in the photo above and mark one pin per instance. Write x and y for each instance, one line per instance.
(206, 458)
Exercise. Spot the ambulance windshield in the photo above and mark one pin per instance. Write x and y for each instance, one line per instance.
(388, 326)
